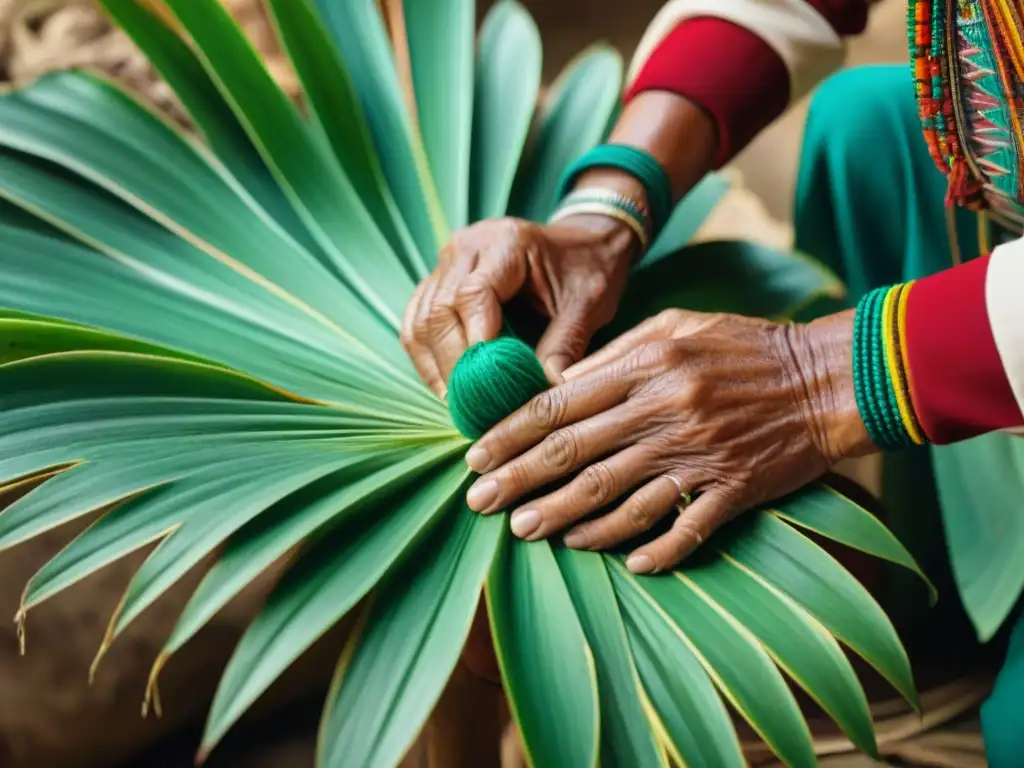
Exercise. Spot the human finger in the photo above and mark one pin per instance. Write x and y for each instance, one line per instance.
(595, 487)
(636, 515)
(691, 528)
(560, 453)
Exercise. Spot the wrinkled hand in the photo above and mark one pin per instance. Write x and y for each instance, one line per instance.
(732, 411)
(574, 271)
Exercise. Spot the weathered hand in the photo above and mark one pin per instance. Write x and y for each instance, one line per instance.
(574, 272)
(731, 410)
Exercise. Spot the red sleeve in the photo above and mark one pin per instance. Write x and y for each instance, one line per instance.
(731, 73)
(957, 382)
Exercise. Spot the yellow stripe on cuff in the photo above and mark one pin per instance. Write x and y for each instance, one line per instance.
(895, 359)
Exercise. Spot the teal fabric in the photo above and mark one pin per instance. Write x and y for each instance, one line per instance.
(869, 203)
(869, 198)
(1002, 716)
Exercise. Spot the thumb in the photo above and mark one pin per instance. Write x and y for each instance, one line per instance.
(565, 341)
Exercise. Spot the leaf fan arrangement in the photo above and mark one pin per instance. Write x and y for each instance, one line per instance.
(198, 336)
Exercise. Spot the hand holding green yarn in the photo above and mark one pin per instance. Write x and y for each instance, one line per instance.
(573, 272)
(490, 381)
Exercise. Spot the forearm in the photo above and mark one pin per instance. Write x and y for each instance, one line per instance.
(709, 76)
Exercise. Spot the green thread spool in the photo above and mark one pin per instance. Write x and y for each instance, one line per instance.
(491, 380)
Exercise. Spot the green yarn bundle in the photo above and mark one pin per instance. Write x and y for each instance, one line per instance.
(491, 380)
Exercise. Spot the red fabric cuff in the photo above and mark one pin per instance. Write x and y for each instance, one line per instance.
(958, 385)
(726, 70)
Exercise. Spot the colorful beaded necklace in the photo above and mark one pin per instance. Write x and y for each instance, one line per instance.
(932, 35)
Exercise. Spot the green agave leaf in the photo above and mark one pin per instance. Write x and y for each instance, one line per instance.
(155, 301)
(335, 105)
(687, 217)
(694, 722)
(440, 39)
(21, 339)
(742, 278)
(981, 487)
(815, 580)
(326, 582)
(626, 736)
(546, 663)
(82, 375)
(254, 548)
(90, 128)
(362, 41)
(99, 220)
(198, 536)
(739, 665)
(180, 68)
(826, 511)
(508, 71)
(310, 176)
(247, 484)
(572, 120)
(90, 486)
(396, 666)
(798, 643)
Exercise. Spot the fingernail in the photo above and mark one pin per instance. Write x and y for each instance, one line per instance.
(524, 522)
(556, 364)
(482, 495)
(640, 563)
(478, 458)
(576, 539)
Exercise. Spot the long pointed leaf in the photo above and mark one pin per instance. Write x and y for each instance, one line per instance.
(362, 41)
(320, 589)
(395, 669)
(573, 119)
(626, 737)
(440, 38)
(508, 69)
(253, 549)
(800, 645)
(335, 105)
(826, 511)
(739, 665)
(815, 580)
(545, 660)
(314, 181)
(694, 720)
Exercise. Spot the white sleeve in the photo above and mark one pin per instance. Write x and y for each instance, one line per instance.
(1004, 301)
(804, 40)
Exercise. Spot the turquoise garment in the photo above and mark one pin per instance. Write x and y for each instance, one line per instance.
(869, 204)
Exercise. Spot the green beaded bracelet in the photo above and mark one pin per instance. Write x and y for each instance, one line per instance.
(873, 385)
(638, 164)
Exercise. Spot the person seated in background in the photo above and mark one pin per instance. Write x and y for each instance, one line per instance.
(712, 414)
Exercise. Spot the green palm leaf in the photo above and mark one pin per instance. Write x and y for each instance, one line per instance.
(395, 669)
(545, 659)
(980, 484)
(198, 346)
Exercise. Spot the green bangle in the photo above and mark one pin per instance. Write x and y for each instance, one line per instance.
(639, 164)
(862, 386)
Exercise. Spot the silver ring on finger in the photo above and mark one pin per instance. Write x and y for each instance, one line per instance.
(687, 499)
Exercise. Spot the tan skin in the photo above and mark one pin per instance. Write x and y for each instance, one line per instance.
(727, 410)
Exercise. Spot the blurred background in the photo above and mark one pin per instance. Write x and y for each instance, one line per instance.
(49, 715)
